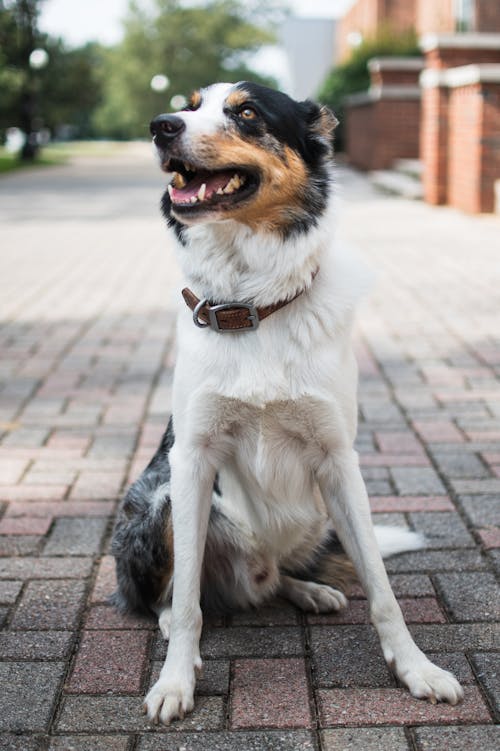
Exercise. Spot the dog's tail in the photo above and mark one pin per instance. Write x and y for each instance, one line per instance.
(393, 540)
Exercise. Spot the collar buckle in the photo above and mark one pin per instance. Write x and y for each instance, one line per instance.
(252, 317)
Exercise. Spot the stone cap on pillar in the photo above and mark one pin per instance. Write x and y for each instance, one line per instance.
(463, 40)
(463, 75)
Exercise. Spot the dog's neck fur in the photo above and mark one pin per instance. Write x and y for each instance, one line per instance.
(227, 261)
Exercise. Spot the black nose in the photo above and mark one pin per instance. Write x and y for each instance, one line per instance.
(165, 128)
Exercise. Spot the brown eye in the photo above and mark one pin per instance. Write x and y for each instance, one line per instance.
(248, 113)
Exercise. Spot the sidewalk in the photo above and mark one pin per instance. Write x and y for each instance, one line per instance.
(88, 291)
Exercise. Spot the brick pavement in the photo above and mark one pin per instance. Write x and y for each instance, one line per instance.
(87, 308)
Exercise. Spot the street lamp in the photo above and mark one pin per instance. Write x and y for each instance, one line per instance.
(37, 60)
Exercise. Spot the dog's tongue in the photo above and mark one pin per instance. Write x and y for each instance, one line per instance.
(213, 181)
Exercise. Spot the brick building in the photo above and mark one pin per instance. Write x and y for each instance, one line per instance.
(443, 107)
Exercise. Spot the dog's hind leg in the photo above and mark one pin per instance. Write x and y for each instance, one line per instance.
(347, 502)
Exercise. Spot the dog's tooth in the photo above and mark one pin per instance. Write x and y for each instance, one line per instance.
(202, 191)
(236, 180)
(187, 167)
(219, 192)
(179, 180)
(170, 190)
(193, 199)
(229, 187)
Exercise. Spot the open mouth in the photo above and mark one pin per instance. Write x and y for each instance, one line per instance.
(194, 188)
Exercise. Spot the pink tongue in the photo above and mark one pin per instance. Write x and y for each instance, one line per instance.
(212, 180)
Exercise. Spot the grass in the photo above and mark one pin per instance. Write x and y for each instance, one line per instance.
(59, 153)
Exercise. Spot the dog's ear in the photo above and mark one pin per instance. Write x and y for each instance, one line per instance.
(320, 124)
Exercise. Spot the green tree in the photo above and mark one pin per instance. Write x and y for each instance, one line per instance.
(352, 76)
(193, 45)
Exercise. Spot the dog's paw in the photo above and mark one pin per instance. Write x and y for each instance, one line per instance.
(169, 700)
(164, 622)
(426, 681)
(317, 598)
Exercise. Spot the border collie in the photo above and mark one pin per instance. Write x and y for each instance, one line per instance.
(256, 489)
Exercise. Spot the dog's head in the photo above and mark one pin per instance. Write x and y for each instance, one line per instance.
(248, 153)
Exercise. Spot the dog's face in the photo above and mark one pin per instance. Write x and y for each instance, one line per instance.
(247, 153)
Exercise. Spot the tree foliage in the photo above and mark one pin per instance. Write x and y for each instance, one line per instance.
(192, 44)
(352, 76)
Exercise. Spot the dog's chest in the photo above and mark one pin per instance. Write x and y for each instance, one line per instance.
(267, 477)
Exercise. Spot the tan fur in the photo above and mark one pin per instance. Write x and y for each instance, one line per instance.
(283, 177)
(337, 571)
(195, 100)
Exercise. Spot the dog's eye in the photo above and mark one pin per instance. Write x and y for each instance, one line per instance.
(248, 113)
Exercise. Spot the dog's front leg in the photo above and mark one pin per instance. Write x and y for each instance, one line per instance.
(347, 502)
(191, 492)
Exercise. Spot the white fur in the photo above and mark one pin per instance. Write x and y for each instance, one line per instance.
(274, 413)
(393, 540)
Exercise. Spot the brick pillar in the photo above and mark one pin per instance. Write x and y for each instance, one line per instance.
(382, 123)
(474, 142)
(443, 52)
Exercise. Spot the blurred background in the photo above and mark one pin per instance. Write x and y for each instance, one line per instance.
(400, 75)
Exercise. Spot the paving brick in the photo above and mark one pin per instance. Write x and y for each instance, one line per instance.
(411, 503)
(27, 492)
(270, 693)
(442, 530)
(35, 645)
(76, 536)
(490, 537)
(438, 431)
(19, 545)
(436, 560)
(348, 656)
(364, 739)
(470, 597)
(103, 617)
(487, 668)
(29, 692)
(481, 510)
(19, 742)
(50, 604)
(459, 738)
(411, 585)
(110, 662)
(11, 470)
(97, 485)
(45, 568)
(459, 464)
(213, 681)
(415, 610)
(239, 641)
(89, 743)
(9, 591)
(25, 526)
(395, 706)
(268, 740)
(61, 508)
(123, 714)
(417, 481)
(450, 637)
(105, 583)
(279, 614)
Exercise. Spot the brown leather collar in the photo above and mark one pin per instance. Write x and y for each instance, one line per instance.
(232, 316)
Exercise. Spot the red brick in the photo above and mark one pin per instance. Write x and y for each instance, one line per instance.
(25, 526)
(103, 617)
(438, 431)
(411, 503)
(270, 693)
(109, 662)
(105, 583)
(398, 443)
(490, 537)
(394, 460)
(395, 706)
(60, 508)
(97, 485)
(32, 492)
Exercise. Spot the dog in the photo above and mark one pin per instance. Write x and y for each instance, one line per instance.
(256, 489)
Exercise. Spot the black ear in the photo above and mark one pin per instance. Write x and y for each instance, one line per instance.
(321, 122)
